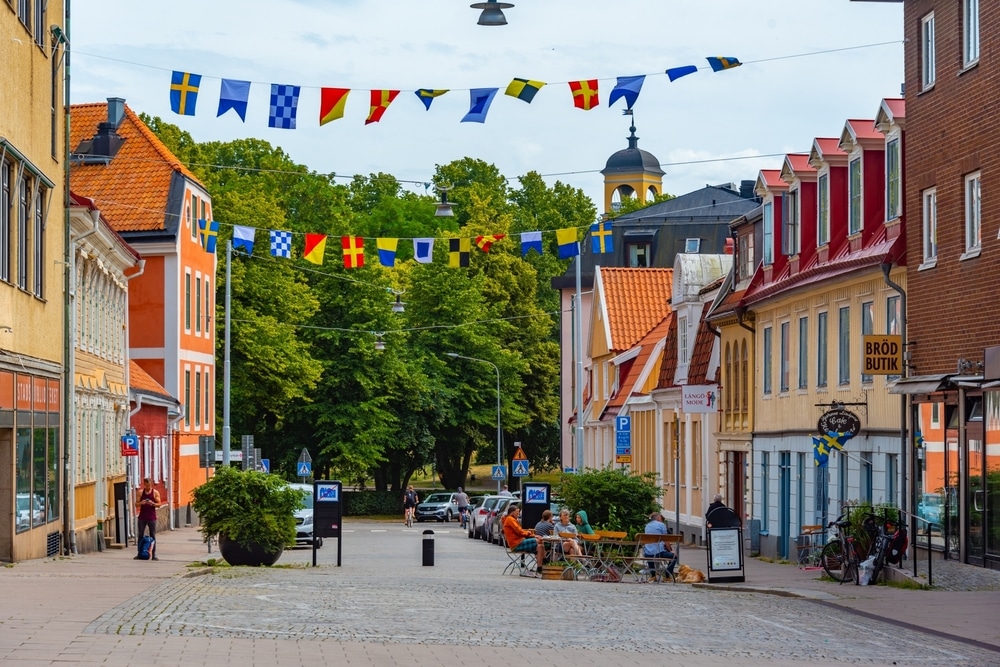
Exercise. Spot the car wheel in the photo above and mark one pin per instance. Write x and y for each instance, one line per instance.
(447, 517)
(319, 542)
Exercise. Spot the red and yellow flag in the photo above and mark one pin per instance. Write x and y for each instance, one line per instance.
(381, 99)
(485, 242)
(584, 94)
(354, 251)
(331, 104)
(315, 248)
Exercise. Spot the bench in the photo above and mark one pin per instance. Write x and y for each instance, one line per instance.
(645, 568)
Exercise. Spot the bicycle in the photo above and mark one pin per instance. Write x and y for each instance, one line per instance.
(880, 547)
(839, 557)
(408, 519)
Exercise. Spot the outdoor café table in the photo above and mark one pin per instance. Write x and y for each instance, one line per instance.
(612, 555)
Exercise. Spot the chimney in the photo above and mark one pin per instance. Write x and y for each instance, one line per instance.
(107, 141)
(116, 111)
(747, 189)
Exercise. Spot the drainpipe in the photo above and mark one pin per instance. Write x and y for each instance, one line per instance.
(69, 462)
(741, 311)
(903, 401)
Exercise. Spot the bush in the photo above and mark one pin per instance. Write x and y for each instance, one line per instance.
(613, 498)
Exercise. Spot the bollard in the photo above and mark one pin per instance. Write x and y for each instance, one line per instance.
(428, 550)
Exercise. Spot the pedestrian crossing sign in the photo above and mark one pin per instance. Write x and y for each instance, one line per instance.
(304, 468)
(520, 468)
(499, 473)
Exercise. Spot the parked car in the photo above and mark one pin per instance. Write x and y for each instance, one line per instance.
(479, 513)
(30, 510)
(438, 507)
(931, 508)
(496, 524)
(304, 519)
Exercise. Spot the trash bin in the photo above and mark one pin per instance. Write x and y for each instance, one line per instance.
(428, 547)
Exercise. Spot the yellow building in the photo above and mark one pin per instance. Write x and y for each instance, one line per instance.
(32, 272)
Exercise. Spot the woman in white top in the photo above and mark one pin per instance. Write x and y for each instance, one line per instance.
(563, 526)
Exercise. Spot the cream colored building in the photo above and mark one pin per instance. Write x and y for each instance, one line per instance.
(32, 271)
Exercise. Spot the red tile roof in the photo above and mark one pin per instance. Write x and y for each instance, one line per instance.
(141, 381)
(771, 180)
(131, 190)
(668, 367)
(701, 355)
(87, 203)
(862, 129)
(797, 163)
(636, 301)
(646, 346)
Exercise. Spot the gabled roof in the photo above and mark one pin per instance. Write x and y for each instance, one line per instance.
(141, 382)
(651, 343)
(796, 165)
(131, 188)
(860, 133)
(892, 111)
(701, 355)
(87, 203)
(634, 301)
(769, 180)
(827, 149)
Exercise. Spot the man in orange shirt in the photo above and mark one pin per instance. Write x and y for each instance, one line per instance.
(520, 539)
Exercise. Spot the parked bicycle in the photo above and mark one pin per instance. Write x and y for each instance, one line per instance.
(839, 557)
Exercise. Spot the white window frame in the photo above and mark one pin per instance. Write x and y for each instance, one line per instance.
(197, 303)
(855, 195)
(209, 310)
(930, 227)
(692, 245)
(682, 339)
(767, 380)
(970, 33)
(973, 214)
(928, 63)
(893, 179)
(823, 209)
(768, 223)
(791, 239)
(187, 301)
(784, 354)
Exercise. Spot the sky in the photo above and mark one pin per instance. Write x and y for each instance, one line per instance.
(706, 128)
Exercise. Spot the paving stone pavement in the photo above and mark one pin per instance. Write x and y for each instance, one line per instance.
(383, 607)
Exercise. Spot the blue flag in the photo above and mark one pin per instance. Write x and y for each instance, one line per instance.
(234, 95)
(601, 240)
(208, 234)
(480, 100)
(284, 106)
(281, 243)
(531, 241)
(627, 87)
(243, 238)
(675, 73)
(184, 92)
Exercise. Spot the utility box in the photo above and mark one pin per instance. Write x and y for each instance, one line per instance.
(753, 528)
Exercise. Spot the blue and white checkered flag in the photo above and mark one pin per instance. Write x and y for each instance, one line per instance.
(284, 105)
(281, 244)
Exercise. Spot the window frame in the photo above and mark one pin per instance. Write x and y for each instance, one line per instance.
(928, 55)
(637, 251)
(197, 303)
(768, 225)
(682, 339)
(970, 33)
(6, 168)
(823, 209)
(973, 197)
(928, 199)
(822, 341)
(197, 398)
(767, 382)
(791, 239)
(867, 329)
(38, 248)
(855, 195)
(893, 321)
(187, 300)
(803, 352)
(844, 346)
(784, 360)
(692, 246)
(24, 219)
(893, 179)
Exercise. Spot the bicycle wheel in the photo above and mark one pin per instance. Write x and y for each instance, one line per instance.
(834, 559)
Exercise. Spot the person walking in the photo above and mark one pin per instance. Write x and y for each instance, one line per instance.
(149, 500)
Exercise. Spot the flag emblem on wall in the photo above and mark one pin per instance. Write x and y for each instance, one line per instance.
(315, 248)
(584, 94)
(208, 234)
(284, 106)
(354, 251)
(184, 92)
(458, 253)
(524, 89)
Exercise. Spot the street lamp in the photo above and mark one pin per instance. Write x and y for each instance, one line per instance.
(455, 355)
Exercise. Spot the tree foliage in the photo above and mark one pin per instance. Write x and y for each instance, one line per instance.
(613, 498)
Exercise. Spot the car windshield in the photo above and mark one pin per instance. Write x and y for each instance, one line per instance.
(438, 498)
(931, 500)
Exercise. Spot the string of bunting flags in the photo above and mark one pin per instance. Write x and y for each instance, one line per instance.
(234, 95)
(281, 242)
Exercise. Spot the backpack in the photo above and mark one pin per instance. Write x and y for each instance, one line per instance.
(146, 547)
(897, 546)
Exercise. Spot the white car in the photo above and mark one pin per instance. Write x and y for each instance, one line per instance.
(304, 519)
(479, 511)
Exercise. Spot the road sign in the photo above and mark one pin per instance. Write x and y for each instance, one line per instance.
(304, 468)
(499, 473)
(623, 439)
(130, 445)
(521, 468)
(519, 455)
(234, 455)
(265, 465)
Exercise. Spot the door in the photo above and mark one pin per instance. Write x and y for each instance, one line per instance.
(784, 503)
(975, 543)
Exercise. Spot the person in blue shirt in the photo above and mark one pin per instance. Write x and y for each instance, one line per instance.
(657, 549)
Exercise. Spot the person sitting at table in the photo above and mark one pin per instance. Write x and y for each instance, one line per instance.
(582, 525)
(521, 540)
(563, 526)
(657, 549)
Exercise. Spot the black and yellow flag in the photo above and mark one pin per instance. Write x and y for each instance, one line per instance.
(458, 255)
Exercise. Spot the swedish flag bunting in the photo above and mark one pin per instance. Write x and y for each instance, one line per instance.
(184, 92)
(208, 234)
(601, 239)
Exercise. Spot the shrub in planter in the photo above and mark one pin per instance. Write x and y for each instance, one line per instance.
(252, 510)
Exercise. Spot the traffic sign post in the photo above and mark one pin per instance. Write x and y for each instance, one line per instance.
(265, 465)
(520, 465)
(304, 467)
(623, 439)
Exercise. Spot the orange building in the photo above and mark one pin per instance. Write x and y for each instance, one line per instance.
(155, 202)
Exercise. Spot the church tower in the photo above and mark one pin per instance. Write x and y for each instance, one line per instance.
(631, 172)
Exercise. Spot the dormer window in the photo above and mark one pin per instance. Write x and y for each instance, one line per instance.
(893, 180)
(682, 339)
(854, 193)
(768, 222)
(791, 237)
(745, 259)
(823, 212)
(692, 245)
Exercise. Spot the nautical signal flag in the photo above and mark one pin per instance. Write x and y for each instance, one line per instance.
(208, 233)
(627, 87)
(531, 241)
(243, 238)
(566, 243)
(234, 95)
(584, 94)
(524, 89)
(380, 101)
(601, 239)
(386, 251)
(480, 100)
(423, 250)
(184, 92)
(331, 104)
(675, 73)
(427, 95)
(315, 248)
(284, 106)
(458, 253)
(720, 63)
(354, 251)
(484, 243)
(281, 244)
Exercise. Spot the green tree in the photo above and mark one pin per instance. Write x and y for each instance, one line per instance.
(631, 204)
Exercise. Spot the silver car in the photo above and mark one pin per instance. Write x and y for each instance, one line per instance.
(304, 518)
(437, 507)
(479, 511)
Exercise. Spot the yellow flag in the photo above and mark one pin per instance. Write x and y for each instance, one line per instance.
(315, 248)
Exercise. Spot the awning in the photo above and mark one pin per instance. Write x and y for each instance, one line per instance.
(922, 384)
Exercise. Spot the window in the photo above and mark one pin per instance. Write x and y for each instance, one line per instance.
(40, 28)
(765, 490)
(638, 255)
(866, 477)
(746, 259)
(784, 357)
(970, 32)
(767, 360)
(208, 395)
(682, 339)
(893, 181)
(23, 241)
(197, 304)
(928, 67)
(790, 226)
(187, 301)
(208, 307)
(930, 225)
(892, 322)
(38, 263)
(692, 245)
(803, 352)
(973, 212)
(854, 184)
(197, 399)
(24, 12)
(823, 214)
(821, 342)
(768, 233)
(935, 415)
(867, 329)
(891, 473)
(844, 346)
(187, 398)
(5, 240)
(192, 214)
(842, 463)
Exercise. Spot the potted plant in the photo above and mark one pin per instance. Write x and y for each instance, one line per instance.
(252, 513)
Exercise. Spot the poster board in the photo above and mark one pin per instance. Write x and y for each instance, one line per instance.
(725, 555)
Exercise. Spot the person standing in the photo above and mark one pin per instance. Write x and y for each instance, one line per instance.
(462, 500)
(505, 493)
(149, 500)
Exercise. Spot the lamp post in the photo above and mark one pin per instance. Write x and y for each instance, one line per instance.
(455, 355)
